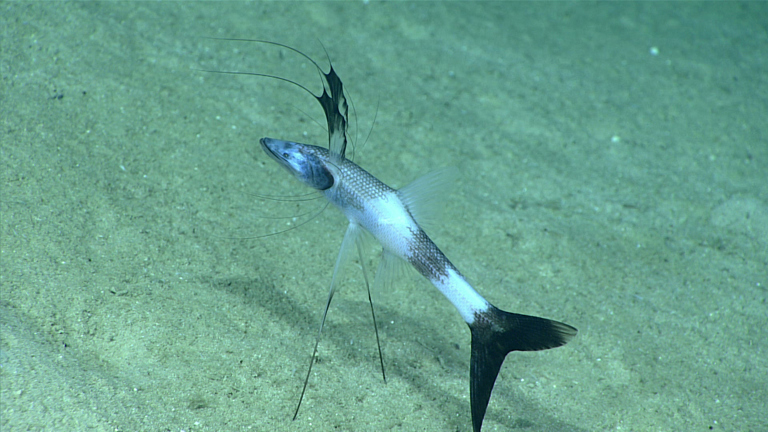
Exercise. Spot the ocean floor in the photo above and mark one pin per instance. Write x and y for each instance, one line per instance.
(612, 162)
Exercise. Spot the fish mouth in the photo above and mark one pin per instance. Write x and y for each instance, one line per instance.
(282, 152)
(265, 144)
(269, 145)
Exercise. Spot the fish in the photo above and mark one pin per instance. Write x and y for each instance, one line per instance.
(394, 217)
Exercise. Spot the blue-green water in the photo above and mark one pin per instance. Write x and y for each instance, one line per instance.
(613, 164)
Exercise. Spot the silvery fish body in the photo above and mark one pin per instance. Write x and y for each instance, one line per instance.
(384, 212)
(392, 217)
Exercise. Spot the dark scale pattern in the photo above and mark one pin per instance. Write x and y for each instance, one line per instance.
(425, 256)
(357, 186)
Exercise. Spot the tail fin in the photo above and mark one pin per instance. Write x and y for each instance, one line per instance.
(495, 333)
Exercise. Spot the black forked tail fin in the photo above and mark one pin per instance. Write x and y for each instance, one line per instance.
(496, 333)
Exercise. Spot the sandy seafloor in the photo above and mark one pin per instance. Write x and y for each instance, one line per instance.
(613, 163)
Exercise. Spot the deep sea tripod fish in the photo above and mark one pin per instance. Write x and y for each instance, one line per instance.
(392, 217)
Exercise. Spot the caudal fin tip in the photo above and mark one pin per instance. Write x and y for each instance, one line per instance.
(495, 333)
(565, 331)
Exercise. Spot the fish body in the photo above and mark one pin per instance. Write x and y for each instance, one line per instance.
(385, 213)
(370, 203)
(394, 218)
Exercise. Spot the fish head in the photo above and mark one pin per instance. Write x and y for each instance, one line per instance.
(310, 164)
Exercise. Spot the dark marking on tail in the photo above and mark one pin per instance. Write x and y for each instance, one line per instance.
(496, 333)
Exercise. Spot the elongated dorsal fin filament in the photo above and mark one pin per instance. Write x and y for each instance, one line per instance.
(333, 100)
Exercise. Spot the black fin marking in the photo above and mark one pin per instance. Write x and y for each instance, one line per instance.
(332, 100)
(495, 333)
(336, 111)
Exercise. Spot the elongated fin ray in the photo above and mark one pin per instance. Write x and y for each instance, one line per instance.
(360, 243)
(496, 333)
(347, 247)
(333, 100)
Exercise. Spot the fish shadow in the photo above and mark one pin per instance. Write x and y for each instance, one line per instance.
(423, 340)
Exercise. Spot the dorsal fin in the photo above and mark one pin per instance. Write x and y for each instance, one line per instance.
(332, 100)
(425, 197)
(336, 111)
